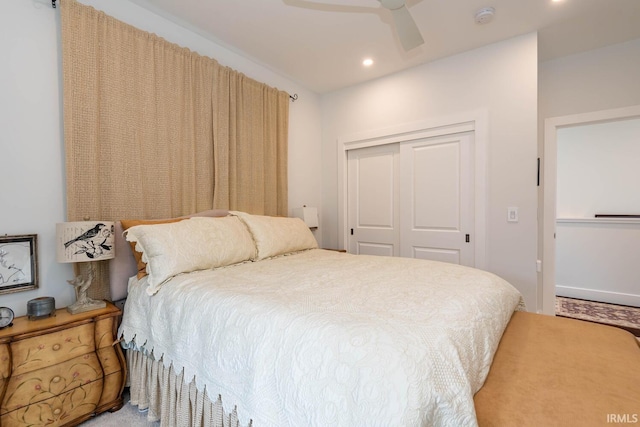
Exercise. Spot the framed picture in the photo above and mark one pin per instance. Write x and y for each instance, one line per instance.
(18, 263)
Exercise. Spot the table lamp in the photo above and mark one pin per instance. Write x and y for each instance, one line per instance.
(84, 241)
(308, 214)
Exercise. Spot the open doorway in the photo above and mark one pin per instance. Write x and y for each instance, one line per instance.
(566, 224)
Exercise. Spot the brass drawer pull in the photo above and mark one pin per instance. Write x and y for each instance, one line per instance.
(56, 347)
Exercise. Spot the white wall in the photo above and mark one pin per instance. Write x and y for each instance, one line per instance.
(31, 141)
(31, 154)
(598, 260)
(598, 169)
(592, 81)
(500, 79)
(595, 80)
(597, 172)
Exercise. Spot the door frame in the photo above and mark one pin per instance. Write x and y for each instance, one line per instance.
(550, 167)
(474, 121)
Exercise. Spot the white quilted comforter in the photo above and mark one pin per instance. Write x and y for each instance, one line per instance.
(322, 338)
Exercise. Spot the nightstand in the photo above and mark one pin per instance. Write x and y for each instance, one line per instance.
(61, 370)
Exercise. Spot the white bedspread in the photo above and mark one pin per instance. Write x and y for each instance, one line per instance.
(322, 338)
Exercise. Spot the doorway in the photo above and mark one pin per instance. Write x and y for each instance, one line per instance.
(550, 216)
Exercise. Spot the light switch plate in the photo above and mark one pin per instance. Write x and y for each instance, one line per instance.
(512, 214)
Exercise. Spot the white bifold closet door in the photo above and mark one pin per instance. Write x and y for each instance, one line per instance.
(413, 199)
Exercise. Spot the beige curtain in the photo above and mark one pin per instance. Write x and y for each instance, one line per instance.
(250, 129)
(153, 130)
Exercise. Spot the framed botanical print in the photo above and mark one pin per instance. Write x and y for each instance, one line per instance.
(18, 263)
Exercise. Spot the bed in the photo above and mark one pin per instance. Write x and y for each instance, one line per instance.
(237, 319)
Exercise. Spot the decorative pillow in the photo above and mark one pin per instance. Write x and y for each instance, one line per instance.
(278, 235)
(128, 223)
(141, 266)
(195, 244)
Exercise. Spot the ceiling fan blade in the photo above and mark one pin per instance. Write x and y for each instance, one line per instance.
(406, 27)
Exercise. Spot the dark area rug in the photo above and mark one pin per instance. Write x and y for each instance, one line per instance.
(622, 316)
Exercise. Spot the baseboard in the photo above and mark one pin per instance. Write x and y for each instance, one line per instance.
(598, 295)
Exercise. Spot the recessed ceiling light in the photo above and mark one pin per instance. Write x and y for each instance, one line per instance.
(367, 62)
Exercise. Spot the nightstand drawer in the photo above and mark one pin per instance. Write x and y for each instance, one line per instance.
(39, 385)
(57, 410)
(61, 370)
(109, 360)
(53, 348)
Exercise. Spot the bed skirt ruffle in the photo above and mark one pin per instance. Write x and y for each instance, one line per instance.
(169, 399)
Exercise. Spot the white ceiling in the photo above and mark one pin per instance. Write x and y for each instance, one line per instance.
(321, 43)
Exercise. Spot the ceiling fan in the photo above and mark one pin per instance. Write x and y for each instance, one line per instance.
(406, 27)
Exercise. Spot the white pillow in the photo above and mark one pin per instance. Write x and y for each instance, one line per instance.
(194, 244)
(278, 235)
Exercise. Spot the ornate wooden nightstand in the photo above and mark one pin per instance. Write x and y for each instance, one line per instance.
(61, 370)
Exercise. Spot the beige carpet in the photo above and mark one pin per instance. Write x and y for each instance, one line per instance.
(128, 416)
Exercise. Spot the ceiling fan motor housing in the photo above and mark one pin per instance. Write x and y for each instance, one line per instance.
(392, 4)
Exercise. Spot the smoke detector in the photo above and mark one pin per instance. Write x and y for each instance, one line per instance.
(485, 15)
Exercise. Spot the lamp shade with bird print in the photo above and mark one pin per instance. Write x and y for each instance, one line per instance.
(86, 242)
